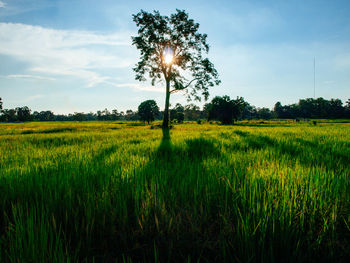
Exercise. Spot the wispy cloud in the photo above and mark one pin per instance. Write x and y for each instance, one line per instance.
(27, 99)
(23, 76)
(2, 4)
(139, 86)
(20, 7)
(80, 54)
(34, 97)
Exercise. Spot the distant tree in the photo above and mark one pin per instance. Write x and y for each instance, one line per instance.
(278, 109)
(180, 117)
(90, 116)
(115, 115)
(192, 112)
(0, 104)
(347, 104)
(224, 109)
(311, 108)
(79, 116)
(46, 116)
(179, 107)
(177, 113)
(307, 108)
(62, 117)
(106, 115)
(293, 111)
(99, 115)
(169, 47)
(173, 114)
(131, 115)
(322, 108)
(249, 112)
(347, 109)
(121, 115)
(23, 113)
(148, 110)
(336, 109)
(8, 115)
(263, 113)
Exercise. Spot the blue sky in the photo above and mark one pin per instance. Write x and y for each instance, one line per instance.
(76, 55)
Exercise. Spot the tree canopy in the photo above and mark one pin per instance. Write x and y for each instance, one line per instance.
(177, 113)
(312, 108)
(148, 110)
(308, 108)
(174, 51)
(224, 109)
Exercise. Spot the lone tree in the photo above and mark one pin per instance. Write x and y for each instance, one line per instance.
(148, 110)
(172, 50)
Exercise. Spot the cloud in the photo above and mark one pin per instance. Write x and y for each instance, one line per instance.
(2, 4)
(34, 97)
(141, 87)
(80, 54)
(27, 99)
(23, 76)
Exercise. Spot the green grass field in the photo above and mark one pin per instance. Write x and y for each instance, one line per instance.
(121, 192)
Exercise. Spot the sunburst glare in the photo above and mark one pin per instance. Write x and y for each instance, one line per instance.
(168, 56)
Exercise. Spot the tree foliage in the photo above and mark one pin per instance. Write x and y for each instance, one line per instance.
(148, 110)
(23, 113)
(189, 70)
(306, 108)
(177, 113)
(192, 112)
(43, 116)
(312, 108)
(224, 109)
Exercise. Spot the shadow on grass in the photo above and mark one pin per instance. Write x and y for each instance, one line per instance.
(163, 201)
(308, 153)
(170, 209)
(262, 125)
(47, 131)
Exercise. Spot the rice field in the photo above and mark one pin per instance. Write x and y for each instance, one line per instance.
(125, 192)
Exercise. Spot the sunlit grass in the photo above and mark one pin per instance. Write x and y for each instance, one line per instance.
(113, 191)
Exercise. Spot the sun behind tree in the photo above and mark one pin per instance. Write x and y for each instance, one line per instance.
(172, 50)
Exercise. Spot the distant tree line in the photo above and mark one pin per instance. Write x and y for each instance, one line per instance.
(223, 109)
(21, 114)
(313, 108)
(228, 110)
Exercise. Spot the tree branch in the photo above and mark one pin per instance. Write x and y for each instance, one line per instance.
(190, 83)
(184, 87)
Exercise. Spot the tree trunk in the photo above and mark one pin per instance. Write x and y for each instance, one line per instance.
(166, 109)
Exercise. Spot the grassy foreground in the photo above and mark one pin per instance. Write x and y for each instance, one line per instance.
(114, 192)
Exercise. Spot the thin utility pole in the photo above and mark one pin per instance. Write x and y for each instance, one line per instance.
(314, 78)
